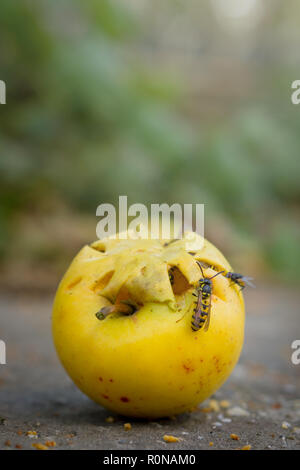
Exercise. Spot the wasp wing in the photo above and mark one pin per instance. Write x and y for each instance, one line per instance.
(206, 326)
(247, 281)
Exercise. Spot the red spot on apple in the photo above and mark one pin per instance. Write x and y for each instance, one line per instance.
(188, 368)
(124, 399)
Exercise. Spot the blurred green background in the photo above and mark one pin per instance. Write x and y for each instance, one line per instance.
(169, 101)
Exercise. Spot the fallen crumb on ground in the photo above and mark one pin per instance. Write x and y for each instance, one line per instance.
(247, 447)
(214, 406)
(237, 411)
(127, 426)
(234, 437)
(50, 443)
(224, 404)
(39, 446)
(168, 438)
(110, 419)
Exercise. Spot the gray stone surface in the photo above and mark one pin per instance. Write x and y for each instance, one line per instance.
(263, 391)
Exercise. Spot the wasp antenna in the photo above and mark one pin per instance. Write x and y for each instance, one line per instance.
(220, 272)
(199, 264)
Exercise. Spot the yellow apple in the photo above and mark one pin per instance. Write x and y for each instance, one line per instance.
(145, 360)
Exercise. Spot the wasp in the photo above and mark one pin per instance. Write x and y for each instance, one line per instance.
(124, 307)
(240, 280)
(202, 309)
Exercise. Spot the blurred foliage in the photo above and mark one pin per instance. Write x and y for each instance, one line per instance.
(87, 119)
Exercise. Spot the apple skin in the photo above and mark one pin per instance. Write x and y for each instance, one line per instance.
(149, 364)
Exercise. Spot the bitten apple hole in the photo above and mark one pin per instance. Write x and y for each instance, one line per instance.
(99, 285)
(178, 281)
(99, 247)
(123, 300)
(74, 283)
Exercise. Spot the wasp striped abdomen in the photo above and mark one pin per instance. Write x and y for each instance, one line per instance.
(201, 315)
(203, 304)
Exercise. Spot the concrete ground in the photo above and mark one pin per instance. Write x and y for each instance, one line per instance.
(263, 393)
